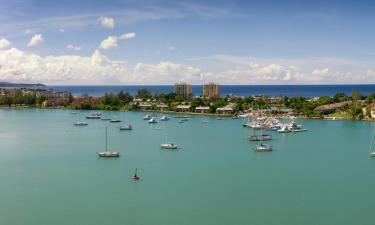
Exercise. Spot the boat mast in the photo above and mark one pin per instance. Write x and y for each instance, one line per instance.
(106, 139)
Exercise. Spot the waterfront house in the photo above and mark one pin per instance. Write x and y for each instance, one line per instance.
(183, 108)
(145, 105)
(202, 109)
(228, 109)
(162, 106)
(331, 108)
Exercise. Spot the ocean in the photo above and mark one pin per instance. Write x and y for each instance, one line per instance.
(50, 172)
(239, 90)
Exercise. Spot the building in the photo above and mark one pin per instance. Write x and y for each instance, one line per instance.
(183, 108)
(211, 90)
(202, 109)
(331, 108)
(183, 89)
(228, 109)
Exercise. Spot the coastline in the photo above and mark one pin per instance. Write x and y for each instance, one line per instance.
(328, 118)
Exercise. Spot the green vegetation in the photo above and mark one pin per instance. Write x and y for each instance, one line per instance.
(340, 105)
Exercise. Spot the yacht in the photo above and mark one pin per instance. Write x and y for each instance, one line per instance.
(107, 153)
(152, 120)
(169, 146)
(371, 154)
(147, 117)
(164, 118)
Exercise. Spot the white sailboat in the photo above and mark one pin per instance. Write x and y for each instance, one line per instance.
(168, 145)
(107, 153)
(263, 147)
(126, 126)
(79, 122)
(371, 152)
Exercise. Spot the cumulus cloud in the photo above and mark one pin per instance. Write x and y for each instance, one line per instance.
(35, 40)
(107, 22)
(73, 47)
(109, 42)
(16, 65)
(127, 36)
(62, 30)
(4, 43)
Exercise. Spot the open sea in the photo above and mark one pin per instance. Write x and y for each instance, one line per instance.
(239, 90)
(50, 173)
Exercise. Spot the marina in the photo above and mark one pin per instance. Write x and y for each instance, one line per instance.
(325, 171)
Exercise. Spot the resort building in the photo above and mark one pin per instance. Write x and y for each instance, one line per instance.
(162, 106)
(211, 90)
(183, 89)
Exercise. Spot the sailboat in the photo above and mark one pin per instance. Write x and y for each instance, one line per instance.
(136, 177)
(371, 152)
(263, 147)
(107, 153)
(126, 127)
(79, 122)
(168, 145)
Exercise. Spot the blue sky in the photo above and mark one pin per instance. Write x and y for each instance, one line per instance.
(230, 42)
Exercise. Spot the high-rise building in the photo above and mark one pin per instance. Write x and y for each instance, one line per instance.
(183, 89)
(211, 90)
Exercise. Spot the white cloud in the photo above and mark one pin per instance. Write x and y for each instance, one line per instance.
(4, 43)
(127, 36)
(29, 31)
(107, 22)
(35, 40)
(171, 48)
(73, 47)
(62, 30)
(16, 65)
(109, 42)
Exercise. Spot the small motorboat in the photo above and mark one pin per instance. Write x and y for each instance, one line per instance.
(169, 146)
(371, 154)
(218, 118)
(80, 123)
(263, 137)
(164, 118)
(115, 121)
(263, 148)
(147, 117)
(180, 121)
(93, 116)
(126, 127)
(152, 120)
(284, 129)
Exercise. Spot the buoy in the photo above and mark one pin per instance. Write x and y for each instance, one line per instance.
(136, 177)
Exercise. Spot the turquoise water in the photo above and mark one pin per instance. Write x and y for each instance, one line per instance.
(50, 174)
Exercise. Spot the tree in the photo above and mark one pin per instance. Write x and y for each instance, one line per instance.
(143, 94)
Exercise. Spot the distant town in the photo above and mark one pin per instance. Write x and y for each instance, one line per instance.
(339, 106)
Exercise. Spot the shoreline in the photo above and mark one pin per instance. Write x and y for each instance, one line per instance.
(328, 118)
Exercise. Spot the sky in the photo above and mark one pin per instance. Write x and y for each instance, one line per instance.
(115, 42)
